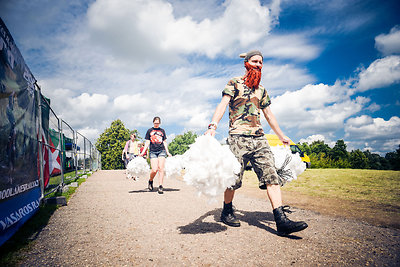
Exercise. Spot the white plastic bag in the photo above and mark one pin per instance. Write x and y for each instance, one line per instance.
(288, 165)
(138, 167)
(174, 166)
(210, 167)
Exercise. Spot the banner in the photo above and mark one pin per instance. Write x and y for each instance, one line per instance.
(19, 183)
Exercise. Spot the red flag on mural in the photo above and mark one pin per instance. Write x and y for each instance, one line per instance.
(54, 153)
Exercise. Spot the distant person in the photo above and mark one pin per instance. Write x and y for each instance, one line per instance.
(141, 149)
(247, 99)
(156, 140)
(130, 151)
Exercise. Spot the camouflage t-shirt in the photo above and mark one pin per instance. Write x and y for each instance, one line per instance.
(245, 107)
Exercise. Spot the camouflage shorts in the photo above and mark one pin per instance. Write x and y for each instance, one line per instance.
(256, 150)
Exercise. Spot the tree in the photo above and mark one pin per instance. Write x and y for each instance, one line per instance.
(394, 159)
(339, 151)
(111, 143)
(376, 162)
(181, 143)
(358, 160)
(320, 147)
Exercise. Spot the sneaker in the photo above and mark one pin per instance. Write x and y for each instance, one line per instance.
(150, 186)
(160, 189)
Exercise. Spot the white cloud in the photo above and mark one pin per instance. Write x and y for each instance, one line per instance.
(280, 78)
(373, 107)
(367, 128)
(389, 44)
(382, 72)
(290, 46)
(80, 111)
(87, 102)
(131, 103)
(310, 139)
(316, 108)
(90, 133)
(148, 31)
(360, 121)
(376, 134)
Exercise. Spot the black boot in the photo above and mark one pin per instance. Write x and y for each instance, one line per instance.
(228, 217)
(150, 186)
(284, 225)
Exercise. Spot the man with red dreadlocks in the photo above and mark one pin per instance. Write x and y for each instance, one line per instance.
(246, 98)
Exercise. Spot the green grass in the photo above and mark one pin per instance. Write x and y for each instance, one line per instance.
(54, 181)
(21, 240)
(380, 187)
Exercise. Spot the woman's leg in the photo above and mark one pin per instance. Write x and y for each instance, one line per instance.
(161, 164)
(154, 168)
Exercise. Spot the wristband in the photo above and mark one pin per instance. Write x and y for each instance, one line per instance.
(212, 125)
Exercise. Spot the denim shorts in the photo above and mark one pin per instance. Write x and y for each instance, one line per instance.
(158, 154)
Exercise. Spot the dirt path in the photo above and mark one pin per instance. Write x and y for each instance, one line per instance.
(113, 221)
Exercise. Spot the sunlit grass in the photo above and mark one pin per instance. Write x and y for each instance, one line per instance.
(380, 187)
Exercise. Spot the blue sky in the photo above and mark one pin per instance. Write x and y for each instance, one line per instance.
(332, 68)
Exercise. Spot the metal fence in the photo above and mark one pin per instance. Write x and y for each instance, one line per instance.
(67, 152)
(39, 152)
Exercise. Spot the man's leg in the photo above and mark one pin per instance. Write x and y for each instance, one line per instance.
(264, 165)
(227, 215)
(274, 195)
(236, 146)
(228, 195)
(284, 225)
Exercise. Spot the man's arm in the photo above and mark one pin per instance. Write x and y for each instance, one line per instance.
(273, 123)
(219, 112)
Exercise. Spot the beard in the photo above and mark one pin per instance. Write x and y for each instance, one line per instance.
(253, 77)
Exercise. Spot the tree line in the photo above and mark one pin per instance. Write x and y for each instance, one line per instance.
(112, 141)
(323, 156)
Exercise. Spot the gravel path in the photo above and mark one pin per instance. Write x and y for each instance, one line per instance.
(113, 221)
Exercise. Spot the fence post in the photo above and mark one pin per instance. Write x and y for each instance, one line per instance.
(75, 145)
(84, 155)
(40, 133)
(91, 156)
(62, 150)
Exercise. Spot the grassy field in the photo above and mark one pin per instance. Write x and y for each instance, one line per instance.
(380, 187)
